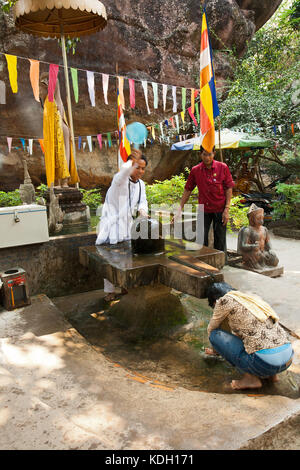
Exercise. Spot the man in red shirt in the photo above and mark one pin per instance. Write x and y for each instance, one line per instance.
(215, 183)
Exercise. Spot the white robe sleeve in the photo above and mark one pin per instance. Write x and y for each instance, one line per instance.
(143, 203)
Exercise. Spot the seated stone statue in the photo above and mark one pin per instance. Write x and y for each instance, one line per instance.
(254, 242)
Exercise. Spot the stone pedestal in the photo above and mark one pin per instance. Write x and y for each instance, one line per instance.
(71, 203)
(148, 311)
(270, 271)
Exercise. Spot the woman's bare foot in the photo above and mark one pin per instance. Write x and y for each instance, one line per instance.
(247, 381)
(211, 352)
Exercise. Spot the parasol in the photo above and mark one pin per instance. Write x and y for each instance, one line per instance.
(57, 18)
(229, 140)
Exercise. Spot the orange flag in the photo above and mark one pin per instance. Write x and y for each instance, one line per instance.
(34, 77)
(41, 141)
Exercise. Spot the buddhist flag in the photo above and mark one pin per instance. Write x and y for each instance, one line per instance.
(209, 109)
(124, 145)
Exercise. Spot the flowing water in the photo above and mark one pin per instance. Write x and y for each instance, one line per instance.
(175, 360)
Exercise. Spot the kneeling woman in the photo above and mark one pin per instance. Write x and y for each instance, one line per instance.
(257, 345)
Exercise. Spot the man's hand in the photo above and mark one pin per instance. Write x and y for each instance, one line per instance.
(143, 213)
(225, 216)
(136, 154)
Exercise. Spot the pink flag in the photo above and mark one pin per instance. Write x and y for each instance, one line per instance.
(9, 141)
(53, 72)
(132, 93)
(192, 116)
(99, 137)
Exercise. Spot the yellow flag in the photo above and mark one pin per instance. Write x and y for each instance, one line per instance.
(12, 71)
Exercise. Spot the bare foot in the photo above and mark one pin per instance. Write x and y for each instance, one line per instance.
(247, 381)
(211, 352)
(124, 291)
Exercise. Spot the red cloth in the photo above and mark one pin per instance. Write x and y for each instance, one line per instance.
(212, 185)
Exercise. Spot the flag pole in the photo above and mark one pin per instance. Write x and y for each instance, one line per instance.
(69, 103)
(220, 145)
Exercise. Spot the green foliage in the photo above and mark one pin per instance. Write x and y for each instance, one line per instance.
(41, 190)
(266, 87)
(168, 192)
(9, 199)
(91, 198)
(6, 5)
(286, 207)
(237, 215)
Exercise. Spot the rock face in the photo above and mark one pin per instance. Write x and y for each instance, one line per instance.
(146, 40)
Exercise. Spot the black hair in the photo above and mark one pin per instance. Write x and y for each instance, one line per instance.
(142, 158)
(202, 149)
(216, 291)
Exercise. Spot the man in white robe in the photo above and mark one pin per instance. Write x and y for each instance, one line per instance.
(125, 197)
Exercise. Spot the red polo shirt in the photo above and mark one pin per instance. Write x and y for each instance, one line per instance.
(212, 185)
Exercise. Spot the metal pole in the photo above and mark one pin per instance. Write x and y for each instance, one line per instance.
(63, 46)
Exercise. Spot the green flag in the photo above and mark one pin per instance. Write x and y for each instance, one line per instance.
(75, 83)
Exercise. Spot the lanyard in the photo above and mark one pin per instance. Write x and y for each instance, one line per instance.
(139, 200)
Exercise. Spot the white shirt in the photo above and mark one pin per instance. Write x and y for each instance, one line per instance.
(121, 201)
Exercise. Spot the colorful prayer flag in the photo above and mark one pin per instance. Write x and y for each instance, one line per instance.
(208, 101)
(12, 72)
(74, 76)
(91, 86)
(34, 78)
(99, 137)
(105, 80)
(121, 91)
(53, 72)
(174, 99)
(155, 94)
(9, 141)
(124, 145)
(132, 93)
(145, 88)
(183, 94)
(165, 90)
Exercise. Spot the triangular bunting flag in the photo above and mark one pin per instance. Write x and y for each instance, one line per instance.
(34, 78)
(12, 72)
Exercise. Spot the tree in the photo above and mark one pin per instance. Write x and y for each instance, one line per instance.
(265, 92)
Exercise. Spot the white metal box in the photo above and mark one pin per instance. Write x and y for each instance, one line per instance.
(23, 225)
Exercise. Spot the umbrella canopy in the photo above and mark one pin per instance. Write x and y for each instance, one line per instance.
(45, 17)
(229, 140)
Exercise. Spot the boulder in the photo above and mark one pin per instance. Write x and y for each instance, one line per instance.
(149, 40)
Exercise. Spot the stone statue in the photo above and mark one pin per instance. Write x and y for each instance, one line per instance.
(56, 215)
(254, 242)
(59, 159)
(27, 192)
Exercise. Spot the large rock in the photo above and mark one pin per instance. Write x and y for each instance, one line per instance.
(149, 40)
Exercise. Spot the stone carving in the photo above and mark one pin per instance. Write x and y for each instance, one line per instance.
(56, 215)
(254, 242)
(27, 192)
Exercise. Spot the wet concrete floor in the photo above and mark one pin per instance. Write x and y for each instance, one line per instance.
(175, 360)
